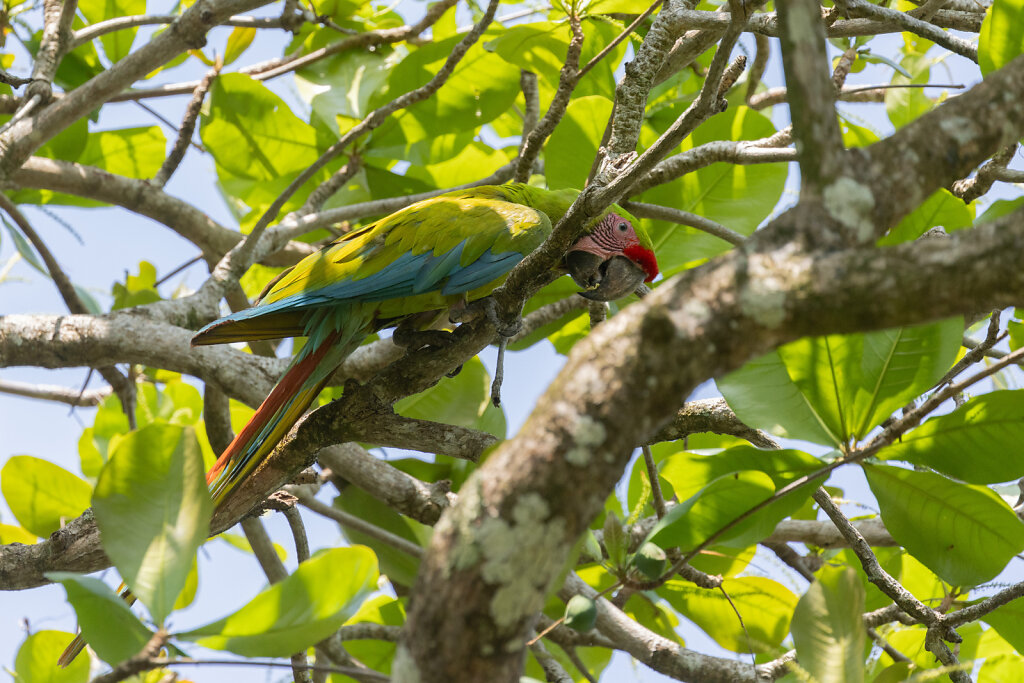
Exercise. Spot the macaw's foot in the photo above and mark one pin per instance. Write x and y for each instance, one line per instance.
(412, 339)
(486, 308)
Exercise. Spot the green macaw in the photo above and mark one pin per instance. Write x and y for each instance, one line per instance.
(435, 255)
(432, 256)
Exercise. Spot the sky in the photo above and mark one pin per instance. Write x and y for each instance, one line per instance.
(113, 241)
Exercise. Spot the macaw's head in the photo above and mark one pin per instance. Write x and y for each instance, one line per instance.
(612, 258)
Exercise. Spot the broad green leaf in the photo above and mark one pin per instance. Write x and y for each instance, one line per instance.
(738, 197)
(376, 654)
(107, 623)
(900, 364)
(188, 592)
(854, 382)
(239, 40)
(399, 567)
(941, 208)
(572, 146)
(906, 104)
(116, 44)
(1008, 621)
(828, 628)
(301, 610)
(539, 48)
(1000, 208)
(1016, 330)
(463, 400)
(764, 606)
(481, 87)
(131, 152)
(1002, 669)
(1002, 35)
(95, 442)
(15, 534)
(42, 495)
(153, 510)
(763, 395)
(704, 514)
(965, 534)
(252, 134)
(977, 443)
(474, 161)
(342, 84)
(36, 661)
(688, 473)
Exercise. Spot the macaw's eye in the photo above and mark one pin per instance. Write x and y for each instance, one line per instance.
(622, 227)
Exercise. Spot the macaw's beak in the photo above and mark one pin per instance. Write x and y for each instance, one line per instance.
(604, 279)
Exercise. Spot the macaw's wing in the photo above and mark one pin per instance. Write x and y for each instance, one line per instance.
(458, 243)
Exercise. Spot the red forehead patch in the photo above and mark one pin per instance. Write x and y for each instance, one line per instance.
(644, 258)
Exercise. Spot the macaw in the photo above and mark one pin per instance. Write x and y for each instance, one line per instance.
(435, 255)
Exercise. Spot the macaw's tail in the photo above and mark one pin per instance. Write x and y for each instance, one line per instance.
(301, 384)
(77, 644)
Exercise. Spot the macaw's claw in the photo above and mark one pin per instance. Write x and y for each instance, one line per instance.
(488, 309)
(412, 339)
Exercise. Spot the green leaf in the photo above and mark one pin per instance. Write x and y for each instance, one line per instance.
(399, 567)
(1008, 621)
(615, 540)
(376, 654)
(827, 627)
(116, 44)
(42, 495)
(15, 534)
(1000, 669)
(1000, 208)
(739, 197)
(253, 134)
(965, 534)
(137, 290)
(1002, 35)
(941, 208)
(342, 84)
(480, 88)
(131, 152)
(763, 395)
(25, 249)
(977, 442)
(854, 382)
(299, 611)
(463, 400)
(906, 104)
(153, 511)
(572, 146)
(696, 519)
(1016, 330)
(764, 606)
(36, 661)
(107, 623)
(239, 40)
(900, 364)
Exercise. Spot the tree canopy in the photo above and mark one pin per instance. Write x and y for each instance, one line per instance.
(840, 245)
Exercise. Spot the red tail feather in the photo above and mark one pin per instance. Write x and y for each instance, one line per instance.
(285, 389)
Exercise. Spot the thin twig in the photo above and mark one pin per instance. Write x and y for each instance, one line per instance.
(568, 77)
(355, 524)
(657, 498)
(188, 126)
